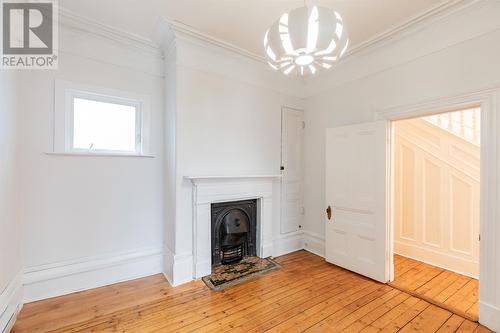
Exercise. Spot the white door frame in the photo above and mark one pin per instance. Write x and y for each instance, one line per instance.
(489, 264)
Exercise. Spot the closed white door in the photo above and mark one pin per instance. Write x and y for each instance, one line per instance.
(356, 224)
(291, 163)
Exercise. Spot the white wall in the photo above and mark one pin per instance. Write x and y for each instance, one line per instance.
(10, 228)
(451, 66)
(170, 187)
(228, 122)
(455, 55)
(83, 213)
(89, 221)
(225, 127)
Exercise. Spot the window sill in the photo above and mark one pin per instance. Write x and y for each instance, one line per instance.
(99, 154)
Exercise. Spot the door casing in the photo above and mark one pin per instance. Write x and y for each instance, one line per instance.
(487, 100)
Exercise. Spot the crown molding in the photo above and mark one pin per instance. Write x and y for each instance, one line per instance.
(172, 30)
(167, 31)
(185, 47)
(74, 21)
(413, 24)
(164, 36)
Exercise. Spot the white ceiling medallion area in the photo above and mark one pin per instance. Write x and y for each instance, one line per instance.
(304, 40)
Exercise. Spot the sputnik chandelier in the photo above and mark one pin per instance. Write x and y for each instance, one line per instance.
(305, 40)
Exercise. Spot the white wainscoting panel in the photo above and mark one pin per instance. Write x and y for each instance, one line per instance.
(436, 197)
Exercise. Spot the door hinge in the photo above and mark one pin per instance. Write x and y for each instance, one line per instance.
(479, 237)
(303, 124)
(303, 210)
(282, 168)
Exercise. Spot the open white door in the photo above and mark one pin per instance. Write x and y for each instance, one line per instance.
(356, 232)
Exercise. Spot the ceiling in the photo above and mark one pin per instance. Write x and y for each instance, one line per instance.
(244, 22)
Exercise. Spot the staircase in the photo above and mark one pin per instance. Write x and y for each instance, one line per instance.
(465, 124)
(437, 173)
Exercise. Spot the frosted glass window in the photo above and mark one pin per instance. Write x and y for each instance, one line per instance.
(104, 126)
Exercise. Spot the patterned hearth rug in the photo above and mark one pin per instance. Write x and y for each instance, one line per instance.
(225, 276)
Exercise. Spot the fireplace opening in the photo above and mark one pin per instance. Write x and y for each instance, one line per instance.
(234, 230)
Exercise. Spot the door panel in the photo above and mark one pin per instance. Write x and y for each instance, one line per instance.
(356, 234)
(291, 182)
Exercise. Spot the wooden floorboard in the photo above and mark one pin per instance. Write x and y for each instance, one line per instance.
(451, 291)
(306, 295)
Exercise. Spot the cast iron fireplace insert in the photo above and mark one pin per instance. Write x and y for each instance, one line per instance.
(234, 230)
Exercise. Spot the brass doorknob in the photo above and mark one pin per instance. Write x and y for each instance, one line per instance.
(329, 212)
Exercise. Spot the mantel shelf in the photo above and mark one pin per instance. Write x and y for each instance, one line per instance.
(194, 178)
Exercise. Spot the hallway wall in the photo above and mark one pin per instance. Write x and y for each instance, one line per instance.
(436, 199)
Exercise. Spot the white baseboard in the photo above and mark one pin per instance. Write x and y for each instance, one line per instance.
(314, 243)
(11, 302)
(267, 250)
(68, 277)
(202, 269)
(59, 279)
(63, 278)
(432, 257)
(287, 243)
(178, 268)
(489, 316)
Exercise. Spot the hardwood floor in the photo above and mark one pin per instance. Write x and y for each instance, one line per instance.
(454, 292)
(308, 294)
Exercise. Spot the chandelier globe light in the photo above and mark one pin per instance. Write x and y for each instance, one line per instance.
(305, 40)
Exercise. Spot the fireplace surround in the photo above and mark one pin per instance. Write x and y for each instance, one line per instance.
(208, 190)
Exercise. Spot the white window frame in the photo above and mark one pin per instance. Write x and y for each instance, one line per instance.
(66, 92)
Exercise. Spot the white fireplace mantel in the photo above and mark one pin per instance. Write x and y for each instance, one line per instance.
(201, 178)
(212, 189)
